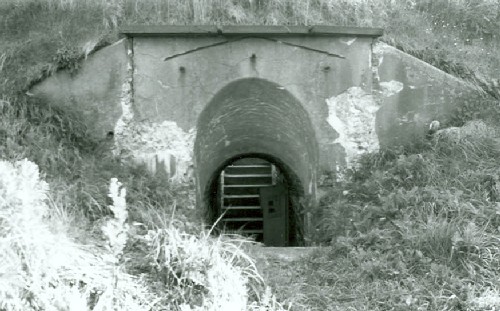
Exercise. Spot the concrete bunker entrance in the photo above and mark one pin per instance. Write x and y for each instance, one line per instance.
(255, 195)
(256, 155)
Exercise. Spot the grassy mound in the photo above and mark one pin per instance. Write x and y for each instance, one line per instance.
(44, 269)
(411, 230)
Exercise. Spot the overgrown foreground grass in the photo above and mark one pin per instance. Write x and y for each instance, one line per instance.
(43, 269)
(409, 229)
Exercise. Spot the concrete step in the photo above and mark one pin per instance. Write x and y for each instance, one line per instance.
(247, 186)
(269, 260)
(240, 196)
(284, 254)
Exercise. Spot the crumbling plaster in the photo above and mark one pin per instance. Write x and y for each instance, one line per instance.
(311, 69)
(352, 114)
(163, 147)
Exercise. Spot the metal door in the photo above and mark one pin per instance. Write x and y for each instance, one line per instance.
(274, 204)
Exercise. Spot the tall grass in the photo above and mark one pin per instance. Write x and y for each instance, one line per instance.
(43, 269)
(422, 227)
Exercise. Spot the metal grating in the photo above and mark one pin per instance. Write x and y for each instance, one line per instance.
(239, 189)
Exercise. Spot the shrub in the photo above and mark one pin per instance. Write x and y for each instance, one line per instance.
(205, 273)
(42, 269)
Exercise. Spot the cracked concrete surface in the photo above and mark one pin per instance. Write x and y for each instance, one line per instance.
(390, 88)
(356, 95)
(307, 68)
(352, 115)
(162, 147)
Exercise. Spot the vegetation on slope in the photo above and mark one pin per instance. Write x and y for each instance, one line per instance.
(42, 269)
(412, 230)
(418, 228)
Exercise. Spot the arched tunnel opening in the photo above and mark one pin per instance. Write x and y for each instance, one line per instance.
(255, 162)
(256, 195)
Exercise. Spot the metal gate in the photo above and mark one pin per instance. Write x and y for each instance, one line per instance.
(253, 201)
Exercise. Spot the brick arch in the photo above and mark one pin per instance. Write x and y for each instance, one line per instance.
(255, 116)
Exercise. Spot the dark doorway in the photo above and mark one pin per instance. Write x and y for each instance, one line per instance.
(253, 121)
(253, 200)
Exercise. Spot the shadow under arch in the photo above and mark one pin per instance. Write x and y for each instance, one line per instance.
(254, 117)
(291, 181)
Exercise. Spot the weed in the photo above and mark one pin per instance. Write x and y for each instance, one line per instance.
(68, 58)
(422, 217)
(43, 268)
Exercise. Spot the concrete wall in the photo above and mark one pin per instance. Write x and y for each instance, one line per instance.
(95, 91)
(178, 89)
(187, 105)
(418, 94)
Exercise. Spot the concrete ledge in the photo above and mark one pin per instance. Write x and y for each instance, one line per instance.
(213, 30)
(283, 254)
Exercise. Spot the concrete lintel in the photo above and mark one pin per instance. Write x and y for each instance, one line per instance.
(242, 30)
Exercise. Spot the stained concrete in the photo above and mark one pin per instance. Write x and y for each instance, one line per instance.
(94, 92)
(187, 100)
(178, 89)
(426, 93)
